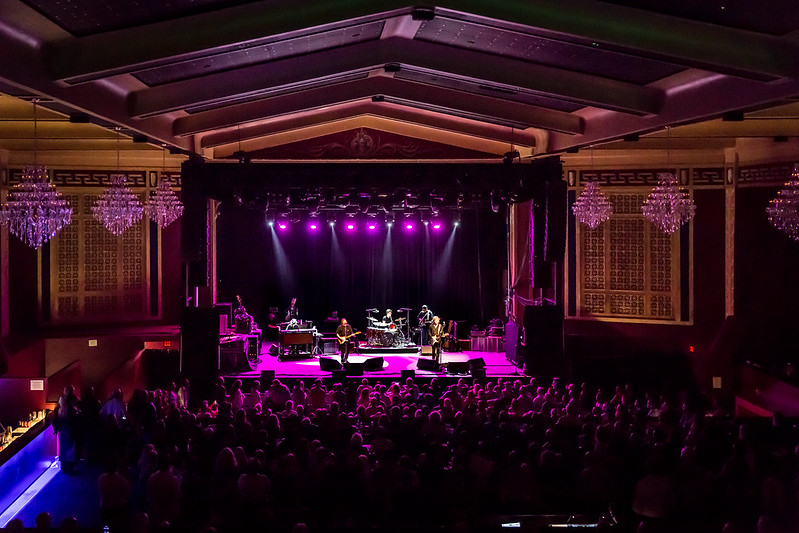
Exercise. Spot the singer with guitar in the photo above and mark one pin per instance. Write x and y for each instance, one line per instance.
(436, 332)
(344, 333)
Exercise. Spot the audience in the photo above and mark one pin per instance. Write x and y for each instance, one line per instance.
(423, 456)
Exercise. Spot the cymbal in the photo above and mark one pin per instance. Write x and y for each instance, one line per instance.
(399, 320)
(371, 319)
(404, 309)
(373, 310)
(381, 324)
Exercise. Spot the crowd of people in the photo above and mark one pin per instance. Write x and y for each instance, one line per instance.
(429, 455)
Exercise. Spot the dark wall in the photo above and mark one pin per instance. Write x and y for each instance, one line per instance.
(23, 271)
(268, 268)
(766, 281)
(617, 340)
(172, 274)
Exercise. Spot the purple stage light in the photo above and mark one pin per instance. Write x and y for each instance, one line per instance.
(409, 226)
(282, 225)
(313, 226)
(436, 225)
(372, 226)
(350, 226)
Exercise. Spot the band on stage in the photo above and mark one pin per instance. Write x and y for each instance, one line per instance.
(299, 337)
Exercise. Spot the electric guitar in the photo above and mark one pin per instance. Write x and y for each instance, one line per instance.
(342, 340)
(436, 338)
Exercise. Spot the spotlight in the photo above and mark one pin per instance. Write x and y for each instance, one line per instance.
(350, 226)
(389, 219)
(436, 224)
(282, 222)
(456, 220)
(332, 223)
(269, 218)
(409, 225)
(371, 225)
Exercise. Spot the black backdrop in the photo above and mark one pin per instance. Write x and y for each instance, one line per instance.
(359, 270)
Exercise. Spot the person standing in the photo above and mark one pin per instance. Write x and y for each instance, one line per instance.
(293, 312)
(425, 317)
(436, 332)
(66, 426)
(344, 334)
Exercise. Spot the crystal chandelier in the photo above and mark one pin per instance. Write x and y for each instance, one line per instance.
(35, 210)
(163, 207)
(668, 206)
(592, 208)
(783, 210)
(117, 208)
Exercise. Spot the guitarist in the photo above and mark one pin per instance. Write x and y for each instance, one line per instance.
(436, 332)
(344, 334)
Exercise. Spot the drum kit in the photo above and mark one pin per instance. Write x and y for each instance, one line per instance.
(387, 334)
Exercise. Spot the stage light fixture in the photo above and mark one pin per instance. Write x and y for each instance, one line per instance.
(350, 226)
(436, 224)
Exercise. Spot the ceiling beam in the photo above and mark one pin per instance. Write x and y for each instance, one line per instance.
(419, 133)
(479, 106)
(709, 100)
(382, 109)
(622, 28)
(489, 68)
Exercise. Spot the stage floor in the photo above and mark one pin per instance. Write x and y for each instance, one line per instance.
(496, 364)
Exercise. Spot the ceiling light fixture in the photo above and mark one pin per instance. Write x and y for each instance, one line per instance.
(117, 207)
(35, 211)
(592, 208)
(668, 206)
(163, 206)
(783, 210)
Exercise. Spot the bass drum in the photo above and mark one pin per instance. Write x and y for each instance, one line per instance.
(387, 338)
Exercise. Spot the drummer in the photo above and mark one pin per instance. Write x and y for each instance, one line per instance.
(387, 319)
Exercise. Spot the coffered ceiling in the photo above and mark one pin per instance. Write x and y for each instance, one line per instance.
(224, 78)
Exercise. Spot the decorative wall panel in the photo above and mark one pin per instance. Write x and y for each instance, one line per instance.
(627, 268)
(95, 276)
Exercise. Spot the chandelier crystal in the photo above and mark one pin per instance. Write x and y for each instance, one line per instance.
(35, 210)
(163, 207)
(117, 208)
(783, 210)
(668, 206)
(592, 208)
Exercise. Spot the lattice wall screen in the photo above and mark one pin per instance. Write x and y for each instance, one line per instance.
(95, 276)
(628, 268)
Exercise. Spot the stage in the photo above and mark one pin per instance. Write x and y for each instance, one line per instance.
(394, 362)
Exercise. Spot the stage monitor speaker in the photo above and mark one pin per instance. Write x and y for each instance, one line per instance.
(373, 364)
(267, 377)
(458, 367)
(339, 376)
(427, 350)
(327, 364)
(354, 369)
(427, 364)
(405, 374)
(477, 362)
(274, 351)
(478, 373)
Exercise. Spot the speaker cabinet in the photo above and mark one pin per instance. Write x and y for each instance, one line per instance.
(477, 362)
(327, 364)
(373, 364)
(543, 340)
(427, 364)
(354, 369)
(457, 367)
